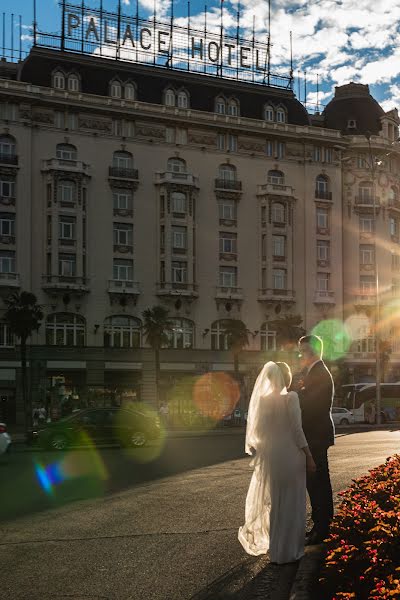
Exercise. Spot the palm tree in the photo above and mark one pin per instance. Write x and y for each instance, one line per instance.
(237, 335)
(24, 316)
(156, 328)
(288, 330)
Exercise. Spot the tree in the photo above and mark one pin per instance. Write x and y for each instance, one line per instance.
(24, 316)
(237, 335)
(156, 328)
(288, 330)
(385, 350)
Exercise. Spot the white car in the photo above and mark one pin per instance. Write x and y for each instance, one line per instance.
(342, 416)
(5, 440)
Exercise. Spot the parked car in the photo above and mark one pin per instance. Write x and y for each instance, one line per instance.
(342, 416)
(5, 440)
(125, 426)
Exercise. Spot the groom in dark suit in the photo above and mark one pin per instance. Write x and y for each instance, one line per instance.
(316, 396)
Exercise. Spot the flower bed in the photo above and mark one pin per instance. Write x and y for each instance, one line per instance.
(363, 551)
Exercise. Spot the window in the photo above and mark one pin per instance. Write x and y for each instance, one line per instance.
(393, 226)
(317, 153)
(269, 148)
(279, 279)
(361, 162)
(122, 160)
(264, 246)
(323, 282)
(227, 142)
(268, 113)
(365, 191)
(169, 98)
(221, 141)
(117, 127)
(7, 261)
(227, 209)
(220, 106)
(7, 224)
(179, 271)
(322, 218)
(351, 124)
(59, 119)
(328, 155)
(276, 177)
(278, 245)
(181, 334)
(395, 261)
(280, 115)
(267, 338)
(232, 142)
(73, 83)
(116, 89)
(6, 336)
(176, 165)
(67, 228)
(122, 269)
(367, 284)
(183, 99)
(219, 336)
(66, 191)
(67, 265)
(178, 201)
(122, 332)
(367, 254)
(323, 250)
(228, 277)
(367, 342)
(66, 152)
(280, 149)
(129, 91)
(7, 187)
(228, 242)
(123, 234)
(122, 200)
(227, 172)
(7, 146)
(181, 136)
(366, 225)
(321, 185)
(65, 329)
(179, 237)
(59, 80)
(278, 213)
(233, 108)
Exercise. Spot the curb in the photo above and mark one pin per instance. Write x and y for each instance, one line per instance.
(308, 569)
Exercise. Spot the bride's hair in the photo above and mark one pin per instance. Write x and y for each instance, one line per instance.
(286, 373)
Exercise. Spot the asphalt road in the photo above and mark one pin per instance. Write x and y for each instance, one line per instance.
(116, 527)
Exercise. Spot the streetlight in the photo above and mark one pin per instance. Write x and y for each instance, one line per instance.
(372, 167)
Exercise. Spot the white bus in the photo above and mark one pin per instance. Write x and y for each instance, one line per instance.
(360, 399)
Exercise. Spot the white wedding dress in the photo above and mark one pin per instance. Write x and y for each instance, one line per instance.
(276, 501)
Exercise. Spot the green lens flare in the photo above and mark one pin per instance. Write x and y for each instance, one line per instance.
(335, 336)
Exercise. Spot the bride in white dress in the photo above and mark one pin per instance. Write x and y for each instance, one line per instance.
(276, 501)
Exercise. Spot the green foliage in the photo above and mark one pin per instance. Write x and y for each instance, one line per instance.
(23, 314)
(237, 334)
(288, 330)
(156, 326)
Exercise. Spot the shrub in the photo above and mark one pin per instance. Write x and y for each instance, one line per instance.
(363, 550)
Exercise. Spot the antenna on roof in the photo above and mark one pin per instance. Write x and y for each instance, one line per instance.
(237, 39)
(62, 25)
(34, 22)
(269, 41)
(117, 55)
(137, 28)
(154, 33)
(221, 38)
(317, 93)
(188, 33)
(291, 60)
(253, 45)
(205, 34)
(169, 62)
(12, 37)
(305, 88)
(20, 38)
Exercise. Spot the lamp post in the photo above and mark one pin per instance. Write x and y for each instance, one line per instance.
(378, 370)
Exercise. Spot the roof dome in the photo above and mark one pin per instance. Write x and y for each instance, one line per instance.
(353, 111)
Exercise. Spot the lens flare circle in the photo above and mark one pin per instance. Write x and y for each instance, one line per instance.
(335, 336)
(358, 326)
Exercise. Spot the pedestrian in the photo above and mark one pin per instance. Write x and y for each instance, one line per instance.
(42, 415)
(164, 412)
(316, 397)
(276, 500)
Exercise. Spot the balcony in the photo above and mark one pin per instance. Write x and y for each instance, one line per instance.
(123, 173)
(274, 294)
(165, 288)
(275, 189)
(365, 299)
(122, 290)
(69, 166)
(323, 195)
(228, 185)
(8, 159)
(394, 203)
(229, 293)
(7, 200)
(9, 281)
(367, 202)
(63, 284)
(324, 297)
(171, 177)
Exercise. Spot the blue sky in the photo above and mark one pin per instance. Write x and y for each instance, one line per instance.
(337, 40)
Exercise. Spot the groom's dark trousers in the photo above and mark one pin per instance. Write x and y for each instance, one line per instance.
(316, 398)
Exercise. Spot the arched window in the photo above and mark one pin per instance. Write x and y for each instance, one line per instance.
(66, 152)
(278, 213)
(233, 108)
(73, 83)
(59, 80)
(321, 184)
(227, 172)
(176, 165)
(269, 113)
(365, 191)
(219, 335)
(122, 331)
(7, 339)
(280, 115)
(276, 177)
(394, 193)
(116, 89)
(267, 338)
(169, 97)
(181, 334)
(66, 191)
(183, 99)
(220, 105)
(122, 160)
(129, 91)
(65, 329)
(8, 146)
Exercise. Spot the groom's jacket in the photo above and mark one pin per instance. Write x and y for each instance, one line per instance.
(316, 398)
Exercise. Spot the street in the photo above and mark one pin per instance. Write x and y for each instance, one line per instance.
(109, 525)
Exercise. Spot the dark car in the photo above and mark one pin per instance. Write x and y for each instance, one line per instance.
(127, 427)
